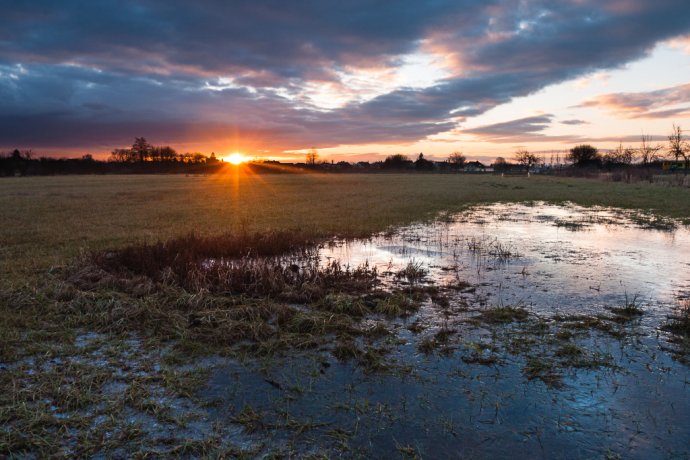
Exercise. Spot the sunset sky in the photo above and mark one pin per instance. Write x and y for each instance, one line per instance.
(358, 80)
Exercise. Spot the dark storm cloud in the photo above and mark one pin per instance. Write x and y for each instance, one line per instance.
(579, 35)
(76, 73)
(290, 39)
(67, 112)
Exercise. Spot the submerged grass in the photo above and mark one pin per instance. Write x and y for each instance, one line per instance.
(679, 327)
(679, 324)
(631, 309)
(503, 314)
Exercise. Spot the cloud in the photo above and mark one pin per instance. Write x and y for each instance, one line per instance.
(574, 122)
(285, 75)
(295, 40)
(661, 103)
(515, 131)
(682, 43)
(86, 108)
(632, 138)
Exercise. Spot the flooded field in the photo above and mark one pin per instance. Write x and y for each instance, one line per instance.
(552, 259)
(545, 340)
(505, 331)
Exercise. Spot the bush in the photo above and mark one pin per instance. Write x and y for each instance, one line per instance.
(584, 155)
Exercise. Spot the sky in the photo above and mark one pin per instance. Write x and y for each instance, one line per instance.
(357, 80)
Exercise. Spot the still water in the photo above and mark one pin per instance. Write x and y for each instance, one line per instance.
(627, 395)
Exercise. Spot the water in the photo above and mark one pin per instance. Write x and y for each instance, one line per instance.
(625, 392)
(563, 259)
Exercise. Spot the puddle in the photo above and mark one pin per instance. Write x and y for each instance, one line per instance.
(524, 255)
(569, 380)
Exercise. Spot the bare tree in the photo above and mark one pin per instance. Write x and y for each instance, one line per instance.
(120, 155)
(647, 152)
(678, 147)
(141, 149)
(619, 156)
(526, 159)
(155, 153)
(312, 156)
(167, 153)
(457, 160)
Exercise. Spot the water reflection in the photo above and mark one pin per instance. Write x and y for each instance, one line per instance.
(596, 260)
(620, 393)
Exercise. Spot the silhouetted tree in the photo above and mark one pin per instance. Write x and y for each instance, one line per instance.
(422, 164)
(312, 156)
(619, 156)
(141, 149)
(678, 148)
(396, 161)
(500, 164)
(19, 162)
(120, 155)
(456, 160)
(198, 158)
(167, 153)
(584, 155)
(526, 159)
(647, 152)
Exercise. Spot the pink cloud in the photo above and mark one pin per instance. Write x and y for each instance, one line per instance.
(661, 103)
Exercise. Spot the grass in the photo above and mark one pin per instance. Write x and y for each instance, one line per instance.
(631, 309)
(503, 314)
(680, 323)
(413, 272)
(117, 254)
(48, 220)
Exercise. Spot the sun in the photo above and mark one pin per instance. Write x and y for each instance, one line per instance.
(235, 158)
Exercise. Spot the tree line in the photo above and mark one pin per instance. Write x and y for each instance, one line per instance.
(143, 157)
(588, 156)
(142, 151)
(583, 156)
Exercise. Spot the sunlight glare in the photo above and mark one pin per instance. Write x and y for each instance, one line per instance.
(235, 158)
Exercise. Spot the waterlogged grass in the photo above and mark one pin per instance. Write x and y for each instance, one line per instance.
(679, 327)
(114, 290)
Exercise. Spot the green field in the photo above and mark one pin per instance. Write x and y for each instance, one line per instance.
(47, 221)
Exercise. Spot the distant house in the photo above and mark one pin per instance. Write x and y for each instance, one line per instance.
(672, 166)
(475, 166)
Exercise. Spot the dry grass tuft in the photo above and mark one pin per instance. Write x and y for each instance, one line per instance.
(499, 315)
